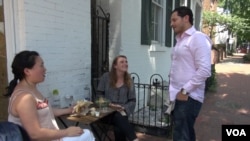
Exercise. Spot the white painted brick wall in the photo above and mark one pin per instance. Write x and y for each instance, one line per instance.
(60, 31)
(141, 59)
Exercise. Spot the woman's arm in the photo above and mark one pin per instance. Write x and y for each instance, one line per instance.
(25, 107)
(130, 105)
(58, 112)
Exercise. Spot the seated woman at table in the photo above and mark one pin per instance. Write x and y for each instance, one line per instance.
(29, 108)
(117, 86)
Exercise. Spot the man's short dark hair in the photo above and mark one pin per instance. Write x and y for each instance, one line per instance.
(183, 11)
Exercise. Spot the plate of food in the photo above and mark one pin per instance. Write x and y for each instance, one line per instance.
(81, 108)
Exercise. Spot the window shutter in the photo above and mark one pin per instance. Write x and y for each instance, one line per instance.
(189, 3)
(168, 31)
(177, 3)
(146, 22)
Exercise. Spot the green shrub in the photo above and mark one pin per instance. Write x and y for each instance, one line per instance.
(211, 82)
(246, 58)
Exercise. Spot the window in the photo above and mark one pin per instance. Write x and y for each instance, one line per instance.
(157, 21)
(182, 3)
(154, 21)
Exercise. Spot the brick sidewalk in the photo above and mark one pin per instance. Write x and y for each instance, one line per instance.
(229, 104)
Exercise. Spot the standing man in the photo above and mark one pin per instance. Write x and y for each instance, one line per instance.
(190, 67)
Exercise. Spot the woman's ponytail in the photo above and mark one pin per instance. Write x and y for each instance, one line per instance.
(11, 86)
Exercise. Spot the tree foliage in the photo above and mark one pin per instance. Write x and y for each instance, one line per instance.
(228, 22)
(210, 21)
(241, 10)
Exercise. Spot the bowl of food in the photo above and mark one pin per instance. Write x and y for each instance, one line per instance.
(102, 103)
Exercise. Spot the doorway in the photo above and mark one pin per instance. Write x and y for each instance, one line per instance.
(3, 67)
(99, 44)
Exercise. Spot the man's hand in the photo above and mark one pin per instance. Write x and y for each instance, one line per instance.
(181, 97)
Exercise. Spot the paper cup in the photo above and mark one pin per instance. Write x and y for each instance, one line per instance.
(97, 113)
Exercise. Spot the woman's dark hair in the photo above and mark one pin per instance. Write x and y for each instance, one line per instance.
(183, 11)
(22, 60)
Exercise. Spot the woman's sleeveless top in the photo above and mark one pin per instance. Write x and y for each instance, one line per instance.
(45, 114)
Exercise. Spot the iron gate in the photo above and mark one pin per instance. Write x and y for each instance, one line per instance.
(99, 43)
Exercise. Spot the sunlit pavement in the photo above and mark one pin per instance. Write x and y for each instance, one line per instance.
(230, 103)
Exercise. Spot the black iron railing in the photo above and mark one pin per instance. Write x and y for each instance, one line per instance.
(149, 114)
